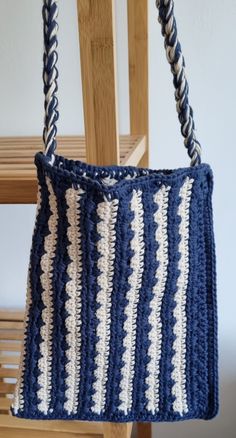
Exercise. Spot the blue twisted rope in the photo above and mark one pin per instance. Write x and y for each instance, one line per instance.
(50, 76)
(176, 60)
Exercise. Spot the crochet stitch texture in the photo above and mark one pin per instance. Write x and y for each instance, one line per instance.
(121, 320)
(121, 305)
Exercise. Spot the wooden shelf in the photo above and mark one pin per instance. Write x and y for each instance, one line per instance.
(18, 184)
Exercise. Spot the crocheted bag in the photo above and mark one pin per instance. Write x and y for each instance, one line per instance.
(120, 320)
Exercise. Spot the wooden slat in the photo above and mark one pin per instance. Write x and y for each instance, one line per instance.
(98, 68)
(10, 346)
(18, 182)
(7, 388)
(18, 191)
(11, 335)
(138, 69)
(13, 325)
(9, 360)
(117, 430)
(8, 372)
(22, 433)
(79, 427)
(11, 315)
(144, 430)
(5, 404)
(135, 154)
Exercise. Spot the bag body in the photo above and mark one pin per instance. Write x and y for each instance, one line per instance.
(121, 320)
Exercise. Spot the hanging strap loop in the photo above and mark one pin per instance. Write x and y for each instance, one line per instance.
(175, 58)
(50, 76)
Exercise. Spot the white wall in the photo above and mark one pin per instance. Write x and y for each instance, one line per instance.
(208, 35)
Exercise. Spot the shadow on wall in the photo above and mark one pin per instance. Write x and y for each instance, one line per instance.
(222, 426)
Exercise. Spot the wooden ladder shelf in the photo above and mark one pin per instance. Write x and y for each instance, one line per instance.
(101, 145)
(18, 183)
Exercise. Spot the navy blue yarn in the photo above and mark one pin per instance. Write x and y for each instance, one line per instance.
(118, 300)
(60, 278)
(32, 353)
(89, 239)
(124, 257)
(202, 377)
(143, 310)
(168, 303)
(213, 394)
(202, 387)
(192, 302)
(172, 41)
(71, 172)
(84, 305)
(202, 321)
(50, 72)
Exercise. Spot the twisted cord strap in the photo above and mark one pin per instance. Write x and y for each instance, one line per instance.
(176, 60)
(50, 76)
(174, 56)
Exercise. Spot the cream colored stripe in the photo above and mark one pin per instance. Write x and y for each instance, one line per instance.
(179, 346)
(73, 303)
(135, 283)
(45, 361)
(107, 212)
(155, 334)
(18, 403)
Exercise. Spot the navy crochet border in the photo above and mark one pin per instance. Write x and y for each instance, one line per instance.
(131, 334)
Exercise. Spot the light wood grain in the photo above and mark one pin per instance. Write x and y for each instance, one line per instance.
(7, 388)
(11, 315)
(5, 404)
(9, 360)
(22, 433)
(117, 430)
(98, 68)
(80, 427)
(11, 335)
(138, 70)
(8, 372)
(18, 182)
(11, 325)
(10, 346)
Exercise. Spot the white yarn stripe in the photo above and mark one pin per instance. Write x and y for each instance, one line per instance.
(73, 303)
(135, 282)
(179, 346)
(155, 335)
(45, 361)
(107, 212)
(18, 403)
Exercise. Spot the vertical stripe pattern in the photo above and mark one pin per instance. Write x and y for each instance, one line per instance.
(179, 346)
(155, 335)
(73, 303)
(18, 395)
(107, 213)
(45, 346)
(135, 283)
(118, 297)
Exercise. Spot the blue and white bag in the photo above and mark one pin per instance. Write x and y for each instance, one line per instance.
(121, 320)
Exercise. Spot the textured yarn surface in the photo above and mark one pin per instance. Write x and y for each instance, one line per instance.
(121, 302)
(121, 321)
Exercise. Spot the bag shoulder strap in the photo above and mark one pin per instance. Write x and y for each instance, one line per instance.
(174, 56)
